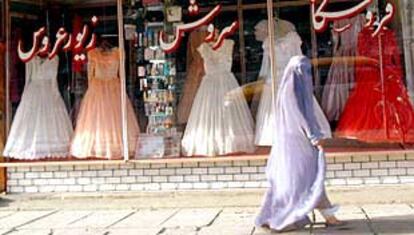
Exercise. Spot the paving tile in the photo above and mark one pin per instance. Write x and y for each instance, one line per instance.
(379, 210)
(100, 219)
(132, 231)
(146, 218)
(394, 225)
(4, 231)
(180, 231)
(353, 215)
(355, 218)
(344, 213)
(60, 219)
(353, 227)
(391, 218)
(21, 217)
(232, 221)
(402, 224)
(79, 231)
(260, 231)
(247, 230)
(30, 232)
(192, 218)
(236, 216)
(4, 214)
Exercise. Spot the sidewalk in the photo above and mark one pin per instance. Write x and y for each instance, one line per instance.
(369, 210)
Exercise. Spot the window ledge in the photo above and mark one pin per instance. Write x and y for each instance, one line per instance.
(329, 154)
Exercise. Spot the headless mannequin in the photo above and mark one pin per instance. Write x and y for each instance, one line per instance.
(282, 27)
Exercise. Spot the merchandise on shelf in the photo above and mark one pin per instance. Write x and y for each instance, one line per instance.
(156, 75)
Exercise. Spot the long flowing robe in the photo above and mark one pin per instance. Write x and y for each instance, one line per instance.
(296, 168)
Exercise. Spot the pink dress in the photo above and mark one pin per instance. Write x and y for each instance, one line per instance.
(98, 130)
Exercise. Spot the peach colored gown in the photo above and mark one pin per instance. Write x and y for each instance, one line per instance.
(195, 73)
(98, 130)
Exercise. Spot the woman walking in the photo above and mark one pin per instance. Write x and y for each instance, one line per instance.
(296, 167)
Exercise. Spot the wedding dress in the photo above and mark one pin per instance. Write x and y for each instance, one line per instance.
(216, 125)
(41, 126)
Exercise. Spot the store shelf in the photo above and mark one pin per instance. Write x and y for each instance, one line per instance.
(154, 24)
(156, 76)
(157, 101)
(159, 7)
(158, 61)
(154, 47)
(160, 115)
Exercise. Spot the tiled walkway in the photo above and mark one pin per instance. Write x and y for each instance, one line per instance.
(387, 211)
(366, 219)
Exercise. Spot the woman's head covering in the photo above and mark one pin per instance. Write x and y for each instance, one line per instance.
(296, 103)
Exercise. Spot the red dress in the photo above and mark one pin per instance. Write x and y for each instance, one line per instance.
(378, 109)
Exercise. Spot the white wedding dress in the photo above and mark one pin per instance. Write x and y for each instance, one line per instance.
(41, 127)
(285, 48)
(217, 125)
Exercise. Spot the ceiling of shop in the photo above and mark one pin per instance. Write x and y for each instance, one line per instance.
(83, 1)
(40, 2)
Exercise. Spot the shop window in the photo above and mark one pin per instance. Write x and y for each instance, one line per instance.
(183, 95)
(2, 20)
(368, 105)
(65, 103)
(199, 98)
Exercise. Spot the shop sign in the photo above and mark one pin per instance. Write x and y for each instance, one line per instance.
(180, 31)
(321, 18)
(64, 41)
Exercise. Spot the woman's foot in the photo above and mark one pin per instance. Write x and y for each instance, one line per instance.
(332, 221)
(329, 215)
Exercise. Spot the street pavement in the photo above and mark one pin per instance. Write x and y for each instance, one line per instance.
(390, 211)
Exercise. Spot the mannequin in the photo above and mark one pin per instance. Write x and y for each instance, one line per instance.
(282, 27)
(287, 45)
(41, 127)
(379, 94)
(216, 127)
(341, 76)
(98, 130)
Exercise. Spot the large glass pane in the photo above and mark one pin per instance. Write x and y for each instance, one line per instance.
(2, 90)
(191, 101)
(2, 20)
(65, 99)
(361, 73)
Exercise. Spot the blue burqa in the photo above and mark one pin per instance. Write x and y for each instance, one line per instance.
(296, 168)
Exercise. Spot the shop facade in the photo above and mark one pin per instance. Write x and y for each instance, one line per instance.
(178, 95)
